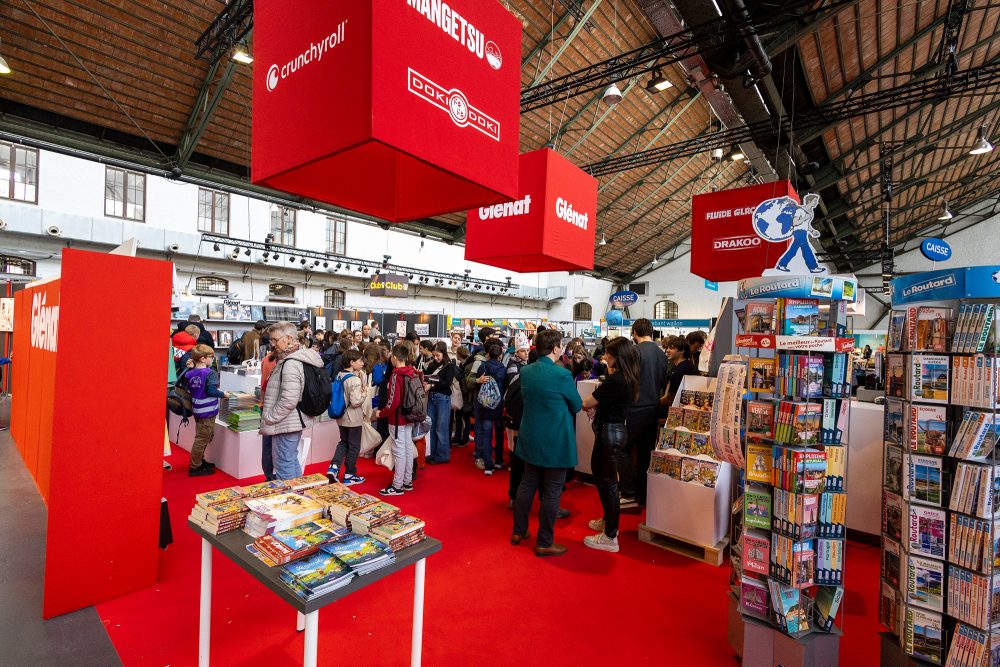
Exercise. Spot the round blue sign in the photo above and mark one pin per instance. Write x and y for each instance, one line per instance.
(624, 298)
(935, 250)
(614, 318)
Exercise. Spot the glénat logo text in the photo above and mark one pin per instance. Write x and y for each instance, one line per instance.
(564, 211)
(44, 324)
(518, 207)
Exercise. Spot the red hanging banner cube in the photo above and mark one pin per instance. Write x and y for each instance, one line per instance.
(549, 227)
(399, 109)
(724, 242)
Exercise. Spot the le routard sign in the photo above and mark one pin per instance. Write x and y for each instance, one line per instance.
(389, 284)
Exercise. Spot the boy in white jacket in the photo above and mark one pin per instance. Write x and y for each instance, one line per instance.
(357, 400)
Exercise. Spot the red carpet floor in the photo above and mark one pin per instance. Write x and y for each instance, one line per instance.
(487, 601)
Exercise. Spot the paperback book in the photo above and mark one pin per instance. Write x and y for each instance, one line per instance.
(892, 515)
(762, 375)
(932, 329)
(759, 463)
(892, 562)
(892, 468)
(928, 429)
(925, 583)
(757, 508)
(756, 551)
(929, 378)
(800, 317)
(753, 597)
(760, 317)
(889, 608)
(924, 479)
(895, 427)
(828, 599)
(976, 437)
(926, 531)
(760, 421)
(897, 330)
(895, 374)
(922, 635)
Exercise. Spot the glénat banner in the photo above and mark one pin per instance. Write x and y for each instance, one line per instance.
(389, 284)
(400, 109)
(550, 226)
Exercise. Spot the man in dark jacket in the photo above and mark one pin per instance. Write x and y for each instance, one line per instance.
(204, 338)
(641, 420)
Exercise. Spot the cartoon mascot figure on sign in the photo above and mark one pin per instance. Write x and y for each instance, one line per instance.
(782, 218)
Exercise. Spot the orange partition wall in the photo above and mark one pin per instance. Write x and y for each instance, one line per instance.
(88, 415)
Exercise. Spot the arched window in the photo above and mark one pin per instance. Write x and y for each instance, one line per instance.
(211, 284)
(665, 310)
(582, 312)
(333, 298)
(17, 265)
(280, 292)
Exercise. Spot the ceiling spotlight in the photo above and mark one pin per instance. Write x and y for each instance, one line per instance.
(347, 267)
(316, 262)
(366, 269)
(612, 95)
(737, 154)
(326, 265)
(983, 144)
(716, 153)
(338, 266)
(4, 67)
(945, 213)
(235, 254)
(275, 256)
(247, 252)
(216, 247)
(602, 242)
(658, 82)
(655, 260)
(242, 55)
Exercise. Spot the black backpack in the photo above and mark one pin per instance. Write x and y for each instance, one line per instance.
(236, 352)
(414, 404)
(179, 399)
(513, 405)
(317, 390)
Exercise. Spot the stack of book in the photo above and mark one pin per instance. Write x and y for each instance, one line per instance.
(221, 517)
(284, 546)
(362, 553)
(300, 484)
(324, 495)
(263, 489)
(278, 512)
(362, 521)
(399, 533)
(244, 420)
(316, 575)
(237, 402)
(346, 503)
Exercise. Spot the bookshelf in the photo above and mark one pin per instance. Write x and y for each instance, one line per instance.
(939, 585)
(793, 373)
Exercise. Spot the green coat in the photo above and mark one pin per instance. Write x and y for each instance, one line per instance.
(547, 436)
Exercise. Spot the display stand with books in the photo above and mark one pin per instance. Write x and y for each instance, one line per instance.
(789, 512)
(688, 489)
(940, 587)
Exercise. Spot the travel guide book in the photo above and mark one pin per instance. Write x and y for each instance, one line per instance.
(892, 468)
(760, 421)
(760, 317)
(762, 375)
(928, 429)
(757, 508)
(897, 331)
(932, 329)
(922, 635)
(926, 531)
(929, 378)
(800, 317)
(895, 376)
(925, 583)
(894, 430)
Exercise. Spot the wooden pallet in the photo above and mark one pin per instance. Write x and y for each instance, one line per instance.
(711, 555)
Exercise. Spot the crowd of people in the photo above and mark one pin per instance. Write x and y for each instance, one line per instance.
(518, 401)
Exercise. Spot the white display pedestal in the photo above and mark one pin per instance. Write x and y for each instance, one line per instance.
(691, 512)
(864, 467)
(584, 430)
(238, 454)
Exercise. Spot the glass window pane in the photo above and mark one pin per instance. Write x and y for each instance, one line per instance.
(5, 170)
(221, 213)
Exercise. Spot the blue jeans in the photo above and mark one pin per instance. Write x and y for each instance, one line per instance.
(489, 439)
(266, 460)
(439, 408)
(285, 448)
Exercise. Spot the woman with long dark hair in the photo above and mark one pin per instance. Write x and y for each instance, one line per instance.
(611, 401)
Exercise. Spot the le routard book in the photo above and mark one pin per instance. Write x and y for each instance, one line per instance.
(892, 515)
(923, 480)
(895, 374)
(926, 531)
(889, 608)
(801, 317)
(929, 378)
(925, 583)
(760, 317)
(897, 331)
(895, 422)
(892, 468)
(922, 635)
(762, 375)
(928, 429)
(892, 562)
(760, 421)
(932, 329)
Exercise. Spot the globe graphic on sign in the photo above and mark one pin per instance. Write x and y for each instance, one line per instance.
(774, 219)
(614, 318)
(996, 277)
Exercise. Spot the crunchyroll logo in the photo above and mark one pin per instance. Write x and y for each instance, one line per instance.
(314, 53)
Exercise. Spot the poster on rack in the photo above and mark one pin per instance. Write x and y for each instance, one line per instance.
(400, 110)
(7, 314)
(727, 413)
(422, 329)
(401, 328)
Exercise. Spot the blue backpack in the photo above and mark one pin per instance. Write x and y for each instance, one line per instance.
(338, 404)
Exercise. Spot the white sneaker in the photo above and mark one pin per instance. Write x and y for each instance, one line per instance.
(481, 464)
(596, 524)
(601, 542)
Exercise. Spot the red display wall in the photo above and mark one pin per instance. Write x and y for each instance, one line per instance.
(87, 415)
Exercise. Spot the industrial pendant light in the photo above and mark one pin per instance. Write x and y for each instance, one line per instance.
(4, 67)
(658, 82)
(945, 213)
(655, 260)
(983, 144)
(737, 154)
(612, 95)
(241, 55)
(603, 240)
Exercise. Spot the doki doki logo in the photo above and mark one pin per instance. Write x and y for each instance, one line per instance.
(455, 103)
(44, 323)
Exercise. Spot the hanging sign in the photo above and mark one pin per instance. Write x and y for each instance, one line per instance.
(712, 285)
(623, 298)
(389, 284)
(837, 288)
(725, 243)
(935, 250)
(550, 226)
(396, 109)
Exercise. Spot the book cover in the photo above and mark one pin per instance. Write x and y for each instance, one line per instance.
(926, 531)
(758, 463)
(892, 561)
(672, 466)
(895, 373)
(811, 381)
(689, 469)
(760, 317)
(756, 551)
(801, 317)
(708, 473)
(928, 428)
(806, 419)
(666, 439)
(701, 444)
(932, 329)
(317, 570)
(760, 421)
(888, 608)
(828, 599)
(357, 551)
(894, 431)
(761, 375)
(892, 515)
(892, 469)
(757, 508)
(897, 325)
(929, 378)
(687, 399)
(310, 534)
(753, 596)
(804, 564)
(675, 416)
(923, 637)
(682, 442)
(925, 583)
(924, 479)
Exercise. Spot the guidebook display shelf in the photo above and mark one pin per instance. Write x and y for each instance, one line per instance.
(940, 586)
(789, 516)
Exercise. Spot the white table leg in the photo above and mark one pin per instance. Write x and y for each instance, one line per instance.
(312, 639)
(416, 645)
(300, 621)
(205, 608)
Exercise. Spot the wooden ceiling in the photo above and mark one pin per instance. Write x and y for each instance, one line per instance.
(128, 69)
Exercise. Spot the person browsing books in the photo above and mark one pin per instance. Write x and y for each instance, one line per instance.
(696, 341)
(357, 404)
(642, 415)
(399, 428)
(611, 401)
(546, 440)
(203, 382)
(489, 420)
(440, 375)
(679, 354)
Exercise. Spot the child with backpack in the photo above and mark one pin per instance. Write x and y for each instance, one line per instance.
(203, 383)
(490, 378)
(405, 404)
(350, 406)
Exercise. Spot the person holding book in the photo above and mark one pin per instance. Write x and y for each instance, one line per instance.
(280, 416)
(203, 382)
(439, 376)
(546, 440)
(400, 429)
(610, 401)
(642, 416)
(357, 409)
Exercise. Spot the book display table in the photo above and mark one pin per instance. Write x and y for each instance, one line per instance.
(233, 546)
